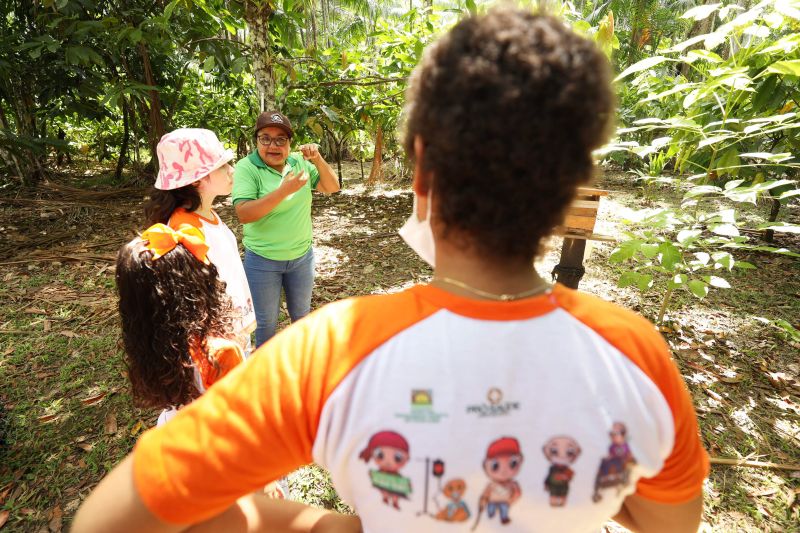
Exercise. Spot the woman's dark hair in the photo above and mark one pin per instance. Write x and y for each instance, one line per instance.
(168, 307)
(509, 106)
(162, 203)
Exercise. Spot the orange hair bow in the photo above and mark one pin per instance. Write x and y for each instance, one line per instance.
(160, 239)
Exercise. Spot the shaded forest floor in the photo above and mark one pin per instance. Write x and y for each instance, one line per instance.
(67, 410)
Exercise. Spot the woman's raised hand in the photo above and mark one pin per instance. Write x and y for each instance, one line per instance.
(310, 152)
(293, 182)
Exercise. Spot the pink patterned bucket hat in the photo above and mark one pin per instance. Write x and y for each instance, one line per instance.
(187, 155)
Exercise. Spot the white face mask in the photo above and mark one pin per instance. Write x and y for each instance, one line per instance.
(418, 234)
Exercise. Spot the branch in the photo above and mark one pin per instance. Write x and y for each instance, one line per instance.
(756, 464)
(359, 82)
(195, 41)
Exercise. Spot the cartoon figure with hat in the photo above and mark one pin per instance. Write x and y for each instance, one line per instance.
(389, 450)
(561, 452)
(502, 464)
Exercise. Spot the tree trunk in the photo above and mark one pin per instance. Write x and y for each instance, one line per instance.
(700, 27)
(257, 14)
(377, 159)
(126, 135)
(156, 121)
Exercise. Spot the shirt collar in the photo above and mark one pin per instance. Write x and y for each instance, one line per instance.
(257, 161)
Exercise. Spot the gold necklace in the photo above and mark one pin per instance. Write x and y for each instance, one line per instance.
(491, 295)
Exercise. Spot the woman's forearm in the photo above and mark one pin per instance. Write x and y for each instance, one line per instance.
(253, 210)
(328, 180)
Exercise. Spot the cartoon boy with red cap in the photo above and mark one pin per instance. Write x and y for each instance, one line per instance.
(502, 464)
(389, 450)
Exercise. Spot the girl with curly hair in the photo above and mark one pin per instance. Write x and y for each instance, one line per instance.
(193, 171)
(176, 318)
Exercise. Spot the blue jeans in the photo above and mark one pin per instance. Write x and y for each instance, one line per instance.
(266, 278)
(492, 507)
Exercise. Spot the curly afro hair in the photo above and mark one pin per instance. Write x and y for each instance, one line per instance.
(168, 307)
(509, 106)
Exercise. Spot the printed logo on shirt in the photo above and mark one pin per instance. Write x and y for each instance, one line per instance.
(421, 408)
(495, 406)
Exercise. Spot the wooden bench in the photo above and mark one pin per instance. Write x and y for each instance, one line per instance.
(578, 228)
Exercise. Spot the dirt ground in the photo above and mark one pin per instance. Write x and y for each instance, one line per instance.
(67, 415)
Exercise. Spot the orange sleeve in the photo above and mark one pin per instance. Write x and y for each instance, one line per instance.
(260, 421)
(226, 353)
(681, 478)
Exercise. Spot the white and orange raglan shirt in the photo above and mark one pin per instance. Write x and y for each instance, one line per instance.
(536, 415)
(223, 251)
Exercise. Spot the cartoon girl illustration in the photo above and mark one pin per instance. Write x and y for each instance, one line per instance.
(561, 452)
(390, 452)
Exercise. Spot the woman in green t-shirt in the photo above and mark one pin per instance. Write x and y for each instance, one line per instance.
(272, 197)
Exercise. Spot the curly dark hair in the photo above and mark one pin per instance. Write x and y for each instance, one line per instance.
(162, 203)
(509, 106)
(168, 306)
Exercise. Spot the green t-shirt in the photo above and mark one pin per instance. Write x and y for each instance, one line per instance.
(284, 233)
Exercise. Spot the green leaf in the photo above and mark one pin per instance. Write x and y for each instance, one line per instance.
(644, 64)
(744, 265)
(791, 66)
(670, 255)
(723, 260)
(687, 236)
(678, 280)
(783, 227)
(627, 279)
(703, 257)
(625, 250)
(716, 281)
(649, 250)
(698, 288)
(208, 64)
(700, 12)
(135, 36)
(726, 230)
(471, 7)
(701, 190)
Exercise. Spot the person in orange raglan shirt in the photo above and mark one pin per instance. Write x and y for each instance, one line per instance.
(194, 169)
(487, 372)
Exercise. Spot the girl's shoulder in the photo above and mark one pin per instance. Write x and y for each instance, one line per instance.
(182, 216)
(223, 356)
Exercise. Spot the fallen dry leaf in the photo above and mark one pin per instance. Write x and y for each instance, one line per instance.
(110, 425)
(34, 311)
(85, 446)
(3, 518)
(47, 418)
(55, 523)
(93, 399)
(8, 351)
(47, 325)
(69, 334)
(136, 428)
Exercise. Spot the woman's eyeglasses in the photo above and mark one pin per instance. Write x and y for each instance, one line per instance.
(266, 140)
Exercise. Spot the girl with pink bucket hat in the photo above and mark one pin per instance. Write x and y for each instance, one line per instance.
(193, 170)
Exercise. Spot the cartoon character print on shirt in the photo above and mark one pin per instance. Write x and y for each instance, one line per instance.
(456, 509)
(389, 450)
(561, 451)
(615, 468)
(449, 500)
(502, 464)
